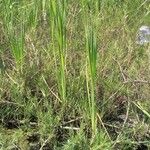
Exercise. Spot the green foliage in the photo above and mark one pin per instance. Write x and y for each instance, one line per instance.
(70, 71)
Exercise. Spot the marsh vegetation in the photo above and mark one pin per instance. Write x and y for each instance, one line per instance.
(72, 76)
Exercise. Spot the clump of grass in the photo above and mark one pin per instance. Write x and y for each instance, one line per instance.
(91, 75)
(15, 33)
(17, 46)
(58, 26)
(79, 71)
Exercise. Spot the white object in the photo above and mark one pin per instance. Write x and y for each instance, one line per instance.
(143, 35)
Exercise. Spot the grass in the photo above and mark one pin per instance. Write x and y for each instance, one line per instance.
(72, 76)
(91, 76)
(59, 34)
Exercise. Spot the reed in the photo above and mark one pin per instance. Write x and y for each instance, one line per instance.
(15, 33)
(58, 28)
(91, 74)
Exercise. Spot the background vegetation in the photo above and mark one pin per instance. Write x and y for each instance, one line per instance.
(72, 76)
